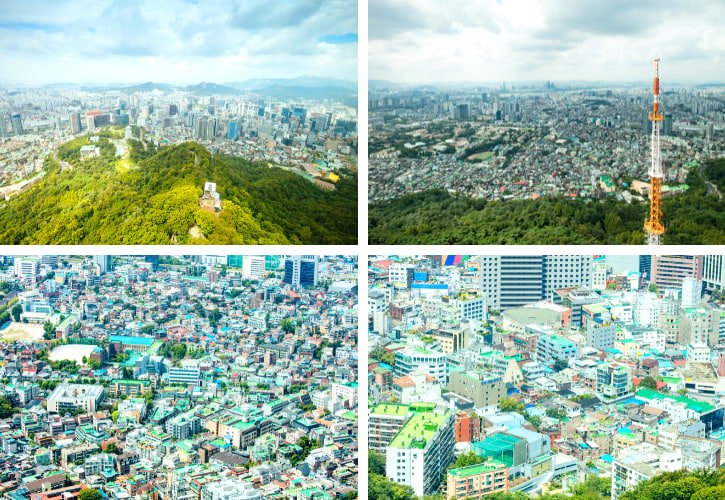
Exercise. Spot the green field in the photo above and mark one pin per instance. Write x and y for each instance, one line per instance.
(481, 156)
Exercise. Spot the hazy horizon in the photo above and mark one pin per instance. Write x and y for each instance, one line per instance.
(532, 40)
(185, 41)
(172, 83)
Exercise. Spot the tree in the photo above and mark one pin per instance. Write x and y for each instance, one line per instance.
(376, 463)
(16, 311)
(381, 354)
(556, 413)
(648, 383)
(48, 331)
(381, 488)
(652, 287)
(90, 494)
(288, 325)
(560, 364)
(682, 391)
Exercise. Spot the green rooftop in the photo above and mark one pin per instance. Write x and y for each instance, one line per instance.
(474, 470)
(697, 406)
(418, 430)
(390, 410)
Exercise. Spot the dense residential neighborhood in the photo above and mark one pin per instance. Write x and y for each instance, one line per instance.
(185, 377)
(528, 375)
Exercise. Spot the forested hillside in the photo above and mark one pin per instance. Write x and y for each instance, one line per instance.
(436, 217)
(154, 200)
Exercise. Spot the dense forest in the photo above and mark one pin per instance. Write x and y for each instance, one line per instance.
(436, 217)
(155, 201)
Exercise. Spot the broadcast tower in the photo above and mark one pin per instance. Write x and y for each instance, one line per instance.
(653, 225)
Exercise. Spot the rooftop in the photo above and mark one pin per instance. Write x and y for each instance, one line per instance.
(418, 430)
(473, 470)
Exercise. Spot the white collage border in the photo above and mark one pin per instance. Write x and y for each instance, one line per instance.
(362, 250)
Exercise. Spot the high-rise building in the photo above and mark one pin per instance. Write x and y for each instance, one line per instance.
(253, 266)
(668, 125)
(232, 130)
(713, 272)
(271, 262)
(645, 266)
(104, 262)
(669, 270)
(301, 270)
(235, 260)
(515, 280)
(3, 126)
(27, 267)
(421, 451)
(17, 124)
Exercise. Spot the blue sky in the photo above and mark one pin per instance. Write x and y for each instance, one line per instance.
(176, 41)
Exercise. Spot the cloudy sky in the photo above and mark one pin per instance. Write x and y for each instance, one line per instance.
(428, 41)
(176, 41)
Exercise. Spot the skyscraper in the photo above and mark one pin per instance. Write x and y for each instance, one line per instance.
(514, 280)
(104, 262)
(668, 125)
(669, 270)
(17, 124)
(301, 270)
(3, 126)
(232, 130)
(713, 272)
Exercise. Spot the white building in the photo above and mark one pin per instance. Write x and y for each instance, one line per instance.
(420, 452)
(639, 463)
(253, 267)
(412, 359)
(378, 308)
(26, 267)
(691, 292)
(698, 353)
(68, 397)
(401, 274)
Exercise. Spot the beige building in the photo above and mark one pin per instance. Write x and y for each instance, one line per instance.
(477, 481)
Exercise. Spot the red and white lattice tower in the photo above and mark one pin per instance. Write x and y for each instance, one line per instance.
(653, 225)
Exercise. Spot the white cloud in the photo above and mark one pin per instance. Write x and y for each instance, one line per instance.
(108, 40)
(427, 41)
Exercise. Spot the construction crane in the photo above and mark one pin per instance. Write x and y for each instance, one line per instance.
(653, 225)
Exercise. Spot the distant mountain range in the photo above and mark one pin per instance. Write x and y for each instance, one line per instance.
(302, 87)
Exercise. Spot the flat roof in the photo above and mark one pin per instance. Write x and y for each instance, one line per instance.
(698, 406)
(418, 430)
(473, 470)
(124, 339)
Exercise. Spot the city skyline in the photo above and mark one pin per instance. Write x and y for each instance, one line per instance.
(183, 41)
(511, 41)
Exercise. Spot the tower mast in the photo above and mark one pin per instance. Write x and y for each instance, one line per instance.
(653, 225)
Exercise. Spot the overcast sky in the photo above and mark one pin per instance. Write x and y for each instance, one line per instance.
(428, 41)
(176, 41)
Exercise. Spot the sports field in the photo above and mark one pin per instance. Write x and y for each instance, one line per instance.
(22, 331)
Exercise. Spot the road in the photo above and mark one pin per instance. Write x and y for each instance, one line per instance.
(63, 165)
(711, 188)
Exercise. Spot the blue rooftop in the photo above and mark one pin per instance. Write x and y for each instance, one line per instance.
(147, 341)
